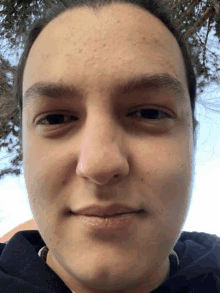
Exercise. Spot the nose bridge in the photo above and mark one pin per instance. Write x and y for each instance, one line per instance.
(100, 156)
(101, 128)
(101, 125)
(101, 137)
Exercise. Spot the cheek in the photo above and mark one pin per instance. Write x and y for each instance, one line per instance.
(176, 202)
(42, 176)
(167, 192)
(36, 169)
(47, 171)
(165, 168)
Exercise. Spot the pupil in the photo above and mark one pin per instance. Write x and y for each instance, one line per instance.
(149, 113)
(58, 118)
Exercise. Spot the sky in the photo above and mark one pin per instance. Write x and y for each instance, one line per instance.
(203, 215)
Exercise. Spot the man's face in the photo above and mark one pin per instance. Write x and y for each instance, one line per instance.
(70, 161)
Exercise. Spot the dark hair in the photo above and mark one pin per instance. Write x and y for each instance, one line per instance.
(155, 7)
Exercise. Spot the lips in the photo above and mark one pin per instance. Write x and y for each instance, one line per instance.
(109, 216)
(111, 210)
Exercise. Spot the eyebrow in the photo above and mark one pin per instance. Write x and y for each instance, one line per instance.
(134, 83)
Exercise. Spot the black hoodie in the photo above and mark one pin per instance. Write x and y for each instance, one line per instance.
(23, 271)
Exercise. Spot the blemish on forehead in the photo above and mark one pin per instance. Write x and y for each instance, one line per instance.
(157, 42)
(64, 182)
(44, 56)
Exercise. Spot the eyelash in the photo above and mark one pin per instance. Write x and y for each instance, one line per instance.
(74, 118)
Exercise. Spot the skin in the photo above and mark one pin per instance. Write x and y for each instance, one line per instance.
(152, 158)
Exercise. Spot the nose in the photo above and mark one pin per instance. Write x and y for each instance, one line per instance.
(101, 160)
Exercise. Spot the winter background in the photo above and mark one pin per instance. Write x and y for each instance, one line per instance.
(203, 216)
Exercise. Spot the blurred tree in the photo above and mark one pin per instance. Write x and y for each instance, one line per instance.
(196, 19)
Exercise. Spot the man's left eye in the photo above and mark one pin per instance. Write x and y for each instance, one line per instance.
(150, 114)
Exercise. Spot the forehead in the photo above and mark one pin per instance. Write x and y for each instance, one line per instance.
(106, 45)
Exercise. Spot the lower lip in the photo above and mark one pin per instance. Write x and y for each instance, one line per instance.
(106, 224)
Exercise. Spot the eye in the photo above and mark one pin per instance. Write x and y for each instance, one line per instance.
(55, 119)
(150, 114)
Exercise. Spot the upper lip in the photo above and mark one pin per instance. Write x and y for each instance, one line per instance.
(97, 210)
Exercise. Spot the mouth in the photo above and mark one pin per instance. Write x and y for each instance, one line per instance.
(104, 224)
(115, 215)
(107, 211)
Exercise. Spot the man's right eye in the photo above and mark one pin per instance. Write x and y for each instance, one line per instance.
(55, 119)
